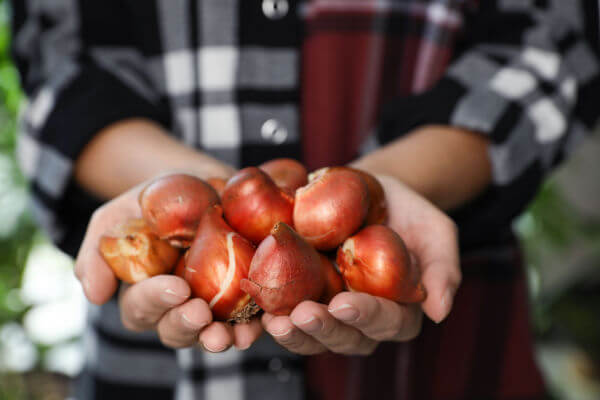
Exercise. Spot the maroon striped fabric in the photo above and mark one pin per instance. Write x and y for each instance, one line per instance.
(357, 55)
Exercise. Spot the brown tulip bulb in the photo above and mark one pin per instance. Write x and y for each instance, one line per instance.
(253, 204)
(376, 261)
(218, 184)
(285, 271)
(334, 283)
(172, 206)
(378, 211)
(287, 173)
(217, 261)
(331, 207)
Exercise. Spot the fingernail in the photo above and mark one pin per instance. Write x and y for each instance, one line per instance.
(446, 303)
(279, 334)
(171, 298)
(345, 312)
(244, 346)
(190, 324)
(311, 324)
(214, 350)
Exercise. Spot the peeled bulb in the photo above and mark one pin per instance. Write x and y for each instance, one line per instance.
(285, 271)
(172, 205)
(376, 261)
(253, 204)
(216, 263)
(334, 283)
(287, 173)
(135, 253)
(331, 207)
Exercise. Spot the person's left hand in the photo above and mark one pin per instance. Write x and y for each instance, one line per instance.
(354, 323)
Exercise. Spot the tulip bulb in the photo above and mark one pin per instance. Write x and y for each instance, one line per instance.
(287, 173)
(331, 207)
(378, 212)
(376, 261)
(218, 260)
(253, 204)
(172, 206)
(218, 184)
(334, 283)
(285, 271)
(135, 253)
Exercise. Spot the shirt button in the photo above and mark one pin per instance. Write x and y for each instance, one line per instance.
(275, 9)
(274, 131)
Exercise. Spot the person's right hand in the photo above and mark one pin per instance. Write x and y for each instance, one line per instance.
(161, 302)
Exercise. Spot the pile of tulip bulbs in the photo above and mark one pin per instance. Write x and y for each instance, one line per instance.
(268, 238)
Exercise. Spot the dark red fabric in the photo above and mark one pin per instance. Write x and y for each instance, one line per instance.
(483, 350)
(357, 55)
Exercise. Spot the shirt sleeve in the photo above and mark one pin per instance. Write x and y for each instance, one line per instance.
(72, 94)
(528, 78)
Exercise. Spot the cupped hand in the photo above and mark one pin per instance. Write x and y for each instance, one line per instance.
(354, 323)
(162, 302)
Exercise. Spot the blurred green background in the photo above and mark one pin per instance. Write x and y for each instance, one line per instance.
(560, 233)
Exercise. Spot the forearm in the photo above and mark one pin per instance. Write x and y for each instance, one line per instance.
(449, 166)
(132, 151)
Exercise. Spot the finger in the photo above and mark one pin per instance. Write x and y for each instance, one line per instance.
(216, 337)
(440, 270)
(246, 333)
(379, 319)
(181, 325)
(144, 303)
(97, 278)
(314, 320)
(290, 337)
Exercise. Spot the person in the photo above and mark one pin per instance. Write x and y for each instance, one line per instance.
(459, 108)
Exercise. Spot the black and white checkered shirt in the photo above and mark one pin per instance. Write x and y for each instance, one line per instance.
(230, 77)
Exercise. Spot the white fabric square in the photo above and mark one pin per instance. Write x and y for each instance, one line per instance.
(217, 68)
(185, 120)
(40, 108)
(568, 88)
(544, 62)
(548, 120)
(513, 83)
(220, 126)
(179, 70)
(28, 154)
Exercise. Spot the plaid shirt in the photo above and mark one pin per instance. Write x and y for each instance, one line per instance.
(322, 81)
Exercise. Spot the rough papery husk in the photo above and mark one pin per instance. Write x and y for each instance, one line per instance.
(244, 315)
(376, 261)
(135, 253)
(216, 263)
(253, 204)
(285, 271)
(172, 206)
(331, 207)
(287, 173)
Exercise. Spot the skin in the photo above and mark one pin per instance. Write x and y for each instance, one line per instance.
(422, 173)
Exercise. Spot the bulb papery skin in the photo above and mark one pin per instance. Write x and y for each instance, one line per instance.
(218, 184)
(287, 173)
(218, 260)
(376, 261)
(172, 206)
(334, 283)
(331, 207)
(253, 204)
(285, 271)
(378, 211)
(135, 253)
